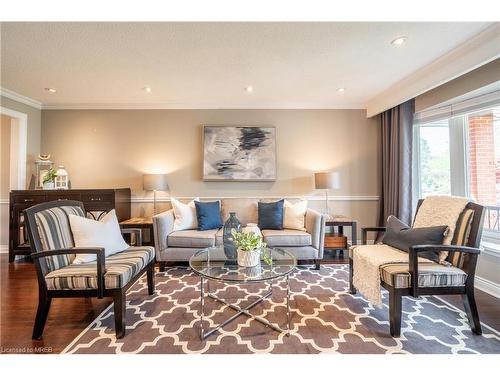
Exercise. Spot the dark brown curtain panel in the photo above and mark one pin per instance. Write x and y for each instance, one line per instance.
(397, 137)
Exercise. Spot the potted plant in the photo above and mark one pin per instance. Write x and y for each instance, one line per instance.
(48, 179)
(250, 248)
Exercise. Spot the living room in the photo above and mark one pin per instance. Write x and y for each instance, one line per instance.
(250, 187)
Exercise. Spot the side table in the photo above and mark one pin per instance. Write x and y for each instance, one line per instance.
(143, 223)
(340, 222)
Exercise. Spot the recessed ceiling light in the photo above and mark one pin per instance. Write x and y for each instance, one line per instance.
(147, 89)
(249, 89)
(50, 89)
(399, 41)
(341, 89)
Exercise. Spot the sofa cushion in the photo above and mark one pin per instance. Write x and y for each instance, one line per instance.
(208, 215)
(120, 269)
(271, 215)
(429, 275)
(402, 237)
(245, 208)
(192, 238)
(286, 237)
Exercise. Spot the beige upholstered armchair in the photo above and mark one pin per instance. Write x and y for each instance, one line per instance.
(453, 276)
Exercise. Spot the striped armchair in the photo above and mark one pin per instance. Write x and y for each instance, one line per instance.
(53, 251)
(414, 279)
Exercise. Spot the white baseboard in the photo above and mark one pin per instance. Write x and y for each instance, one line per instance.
(487, 286)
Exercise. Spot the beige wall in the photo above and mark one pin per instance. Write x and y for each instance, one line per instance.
(33, 131)
(113, 148)
(4, 179)
(480, 77)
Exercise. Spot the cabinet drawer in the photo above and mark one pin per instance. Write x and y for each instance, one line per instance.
(29, 199)
(65, 196)
(97, 197)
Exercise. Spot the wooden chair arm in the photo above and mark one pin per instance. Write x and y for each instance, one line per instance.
(413, 260)
(100, 263)
(364, 232)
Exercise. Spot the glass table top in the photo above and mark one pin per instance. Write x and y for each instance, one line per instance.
(214, 264)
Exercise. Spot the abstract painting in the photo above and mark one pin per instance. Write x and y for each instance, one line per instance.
(239, 153)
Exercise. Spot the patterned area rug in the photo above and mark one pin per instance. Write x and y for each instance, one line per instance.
(325, 319)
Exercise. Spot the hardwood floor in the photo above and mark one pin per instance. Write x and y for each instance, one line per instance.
(68, 317)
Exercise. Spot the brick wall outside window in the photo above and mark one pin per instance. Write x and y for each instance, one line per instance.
(482, 163)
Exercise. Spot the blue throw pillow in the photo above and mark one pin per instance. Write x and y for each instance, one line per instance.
(271, 215)
(208, 215)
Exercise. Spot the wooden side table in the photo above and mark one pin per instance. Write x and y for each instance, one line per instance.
(337, 241)
(143, 223)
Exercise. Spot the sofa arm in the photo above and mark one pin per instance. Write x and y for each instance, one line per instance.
(315, 226)
(163, 225)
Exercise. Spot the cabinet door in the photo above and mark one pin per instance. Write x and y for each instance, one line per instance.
(19, 231)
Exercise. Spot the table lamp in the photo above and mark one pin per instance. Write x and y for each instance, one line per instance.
(327, 180)
(154, 183)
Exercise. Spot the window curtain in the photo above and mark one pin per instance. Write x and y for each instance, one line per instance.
(396, 126)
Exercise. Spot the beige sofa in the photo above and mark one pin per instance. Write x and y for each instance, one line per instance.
(172, 246)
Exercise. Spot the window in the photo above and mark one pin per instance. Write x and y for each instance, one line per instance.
(458, 153)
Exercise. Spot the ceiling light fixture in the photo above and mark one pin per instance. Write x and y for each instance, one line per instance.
(399, 41)
(249, 89)
(50, 89)
(341, 89)
(147, 89)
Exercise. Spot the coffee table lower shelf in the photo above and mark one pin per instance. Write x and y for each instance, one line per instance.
(241, 310)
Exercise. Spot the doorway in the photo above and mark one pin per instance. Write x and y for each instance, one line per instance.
(13, 144)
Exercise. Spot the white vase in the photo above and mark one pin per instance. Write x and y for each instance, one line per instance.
(248, 258)
(48, 185)
(252, 228)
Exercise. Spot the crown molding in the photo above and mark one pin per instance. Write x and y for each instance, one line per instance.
(190, 106)
(473, 53)
(20, 98)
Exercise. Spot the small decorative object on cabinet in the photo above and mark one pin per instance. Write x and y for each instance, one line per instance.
(229, 245)
(96, 203)
(61, 178)
(48, 179)
(42, 167)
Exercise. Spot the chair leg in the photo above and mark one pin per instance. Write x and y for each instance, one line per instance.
(151, 279)
(162, 266)
(41, 316)
(317, 264)
(471, 310)
(352, 289)
(395, 308)
(119, 309)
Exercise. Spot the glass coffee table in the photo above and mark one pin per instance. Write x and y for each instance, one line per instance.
(213, 264)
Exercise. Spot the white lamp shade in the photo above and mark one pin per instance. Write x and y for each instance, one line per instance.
(327, 180)
(152, 182)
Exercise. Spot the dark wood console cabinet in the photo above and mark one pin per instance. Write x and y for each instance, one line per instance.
(96, 202)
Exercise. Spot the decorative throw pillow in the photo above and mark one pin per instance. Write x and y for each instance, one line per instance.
(92, 233)
(402, 237)
(208, 215)
(295, 215)
(271, 215)
(185, 214)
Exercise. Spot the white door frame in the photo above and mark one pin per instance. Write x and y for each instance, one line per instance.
(22, 145)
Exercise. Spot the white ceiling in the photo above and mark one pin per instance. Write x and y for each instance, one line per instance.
(208, 65)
